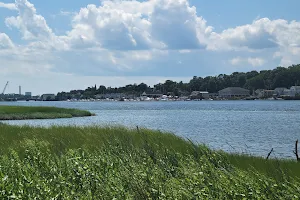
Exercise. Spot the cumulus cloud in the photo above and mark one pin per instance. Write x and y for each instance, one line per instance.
(177, 25)
(133, 36)
(10, 6)
(254, 61)
(184, 51)
(288, 55)
(5, 41)
(133, 25)
(261, 34)
(109, 27)
(31, 25)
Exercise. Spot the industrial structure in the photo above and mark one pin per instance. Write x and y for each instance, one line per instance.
(13, 97)
(5, 88)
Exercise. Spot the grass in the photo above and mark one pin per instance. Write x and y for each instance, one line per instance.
(28, 112)
(119, 163)
(280, 170)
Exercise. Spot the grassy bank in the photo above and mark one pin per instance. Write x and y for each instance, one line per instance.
(107, 163)
(28, 112)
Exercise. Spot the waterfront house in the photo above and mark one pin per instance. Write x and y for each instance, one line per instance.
(258, 92)
(279, 91)
(233, 92)
(199, 95)
(266, 94)
(287, 92)
(213, 95)
(294, 91)
(154, 94)
(113, 96)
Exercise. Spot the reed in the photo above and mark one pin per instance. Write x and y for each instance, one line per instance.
(120, 163)
(28, 112)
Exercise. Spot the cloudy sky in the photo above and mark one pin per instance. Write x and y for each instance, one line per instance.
(52, 46)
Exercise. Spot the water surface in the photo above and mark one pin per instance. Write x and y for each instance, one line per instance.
(252, 127)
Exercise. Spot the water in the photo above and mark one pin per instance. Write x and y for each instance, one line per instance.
(252, 127)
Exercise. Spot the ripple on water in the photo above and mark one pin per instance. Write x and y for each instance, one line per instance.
(234, 126)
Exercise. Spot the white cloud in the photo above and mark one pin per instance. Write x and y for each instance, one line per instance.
(10, 6)
(185, 51)
(262, 33)
(5, 42)
(288, 55)
(133, 25)
(111, 28)
(254, 61)
(130, 37)
(67, 13)
(31, 25)
(236, 61)
(133, 6)
(176, 23)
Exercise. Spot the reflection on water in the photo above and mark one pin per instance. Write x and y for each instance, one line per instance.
(234, 126)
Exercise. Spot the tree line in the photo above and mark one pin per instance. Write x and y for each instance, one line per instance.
(265, 79)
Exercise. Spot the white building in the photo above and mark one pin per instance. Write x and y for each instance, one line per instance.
(294, 91)
(266, 93)
(199, 95)
(287, 92)
(279, 91)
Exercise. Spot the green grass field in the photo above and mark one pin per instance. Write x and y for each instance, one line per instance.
(27, 112)
(119, 163)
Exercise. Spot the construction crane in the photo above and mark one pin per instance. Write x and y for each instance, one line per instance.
(5, 87)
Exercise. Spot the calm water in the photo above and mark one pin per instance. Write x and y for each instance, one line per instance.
(252, 127)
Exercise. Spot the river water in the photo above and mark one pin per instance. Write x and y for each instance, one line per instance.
(252, 127)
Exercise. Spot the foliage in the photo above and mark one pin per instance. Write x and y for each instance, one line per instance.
(265, 79)
(30, 112)
(119, 163)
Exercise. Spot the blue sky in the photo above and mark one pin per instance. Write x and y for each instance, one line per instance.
(51, 46)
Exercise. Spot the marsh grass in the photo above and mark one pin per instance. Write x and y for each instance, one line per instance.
(120, 163)
(28, 112)
(280, 170)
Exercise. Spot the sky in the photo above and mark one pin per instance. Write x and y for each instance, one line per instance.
(53, 46)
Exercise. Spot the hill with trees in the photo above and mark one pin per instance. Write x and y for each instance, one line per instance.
(265, 79)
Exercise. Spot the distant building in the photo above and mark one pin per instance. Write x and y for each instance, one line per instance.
(213, 95)
(279, 91)
(232, 92)
(199, 95)
(35, 97)
(28, 94)
(266, 94)
(114, 96)
(286, 92)
(294, 91)
(48, 97)
(155, 94)
(258, 92)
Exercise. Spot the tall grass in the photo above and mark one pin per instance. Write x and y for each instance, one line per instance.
(280, 170)
(28, 112)
(119, 163)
